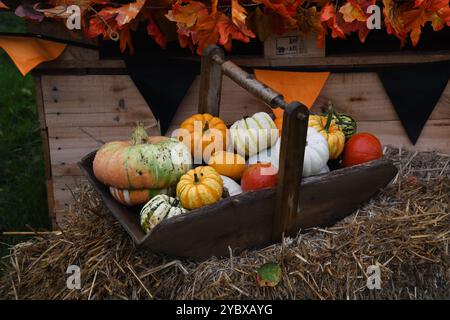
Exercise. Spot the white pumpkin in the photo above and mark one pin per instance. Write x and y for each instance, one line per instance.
(158, 208)
(316, 154)
(253, 134)
(232, 186)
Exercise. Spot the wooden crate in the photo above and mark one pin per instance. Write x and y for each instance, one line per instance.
(84, 102)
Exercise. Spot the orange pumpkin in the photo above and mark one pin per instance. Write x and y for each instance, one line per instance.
(139, 169)
(209, 130)
(228, 164)
(142, 163)
(200, 187)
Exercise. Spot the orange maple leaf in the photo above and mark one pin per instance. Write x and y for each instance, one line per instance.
(328, 16)
(186, 13)
(153, 29)
(207, 30)
(351, 11)
(238, 17)
(285, 12)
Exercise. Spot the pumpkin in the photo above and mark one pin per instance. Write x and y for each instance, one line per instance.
(142, 163)
(259, 176)
(315, 159)
(362, 147)
(228, 164)
(253, 134)
(140, 196)
(200, 187)
(231, 186)
(331, 131)
(158, 208)
(316, 153)
(209, 130)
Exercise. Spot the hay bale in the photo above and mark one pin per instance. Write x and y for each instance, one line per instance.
(405, 230)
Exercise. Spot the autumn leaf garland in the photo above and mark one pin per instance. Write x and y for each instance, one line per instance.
(201, 23)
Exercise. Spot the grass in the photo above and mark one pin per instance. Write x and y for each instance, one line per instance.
(23, 201)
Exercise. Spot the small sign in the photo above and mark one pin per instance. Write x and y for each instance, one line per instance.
(292, 45)
(289, 45)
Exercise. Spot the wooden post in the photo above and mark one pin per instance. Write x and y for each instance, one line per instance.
(46, 147)
(292, 151)
(210, 82)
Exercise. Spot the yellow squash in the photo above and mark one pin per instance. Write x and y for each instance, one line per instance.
(334, 135)
(200, 187)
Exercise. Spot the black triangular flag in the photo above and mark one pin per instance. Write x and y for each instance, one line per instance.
(414, 91)
(163, 82)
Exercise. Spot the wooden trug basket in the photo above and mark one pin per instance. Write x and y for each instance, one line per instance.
(254, 219)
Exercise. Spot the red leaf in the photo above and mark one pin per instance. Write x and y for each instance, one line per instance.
(156, 34)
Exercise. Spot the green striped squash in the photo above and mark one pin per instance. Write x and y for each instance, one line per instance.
(346, 123)
(160, 207)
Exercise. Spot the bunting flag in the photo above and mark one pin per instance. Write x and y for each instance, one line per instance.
(414, 91)
(27, 53)
(3, 6)
(163, 82)
(303, 87)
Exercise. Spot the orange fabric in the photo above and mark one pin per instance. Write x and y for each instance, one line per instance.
(27, 53)
(3, 6)
(304, 87)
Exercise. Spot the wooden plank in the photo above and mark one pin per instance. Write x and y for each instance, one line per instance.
(91, 94)
(435, 135)
(362, 95)
(109, 101)
(357, 60)
(47, 158)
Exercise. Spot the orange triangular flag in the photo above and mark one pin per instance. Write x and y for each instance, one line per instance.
(27, 53)
(304, 87)
(3, 6)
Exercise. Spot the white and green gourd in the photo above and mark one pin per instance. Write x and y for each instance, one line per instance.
(253, 134)
(160, 207)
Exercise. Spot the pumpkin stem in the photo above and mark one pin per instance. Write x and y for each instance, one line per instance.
(206, 126)
(329, 116)
(196, 179)
(139, 135)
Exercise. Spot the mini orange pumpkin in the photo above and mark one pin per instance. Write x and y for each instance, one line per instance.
(228, 164)
(209, 128)
(200, 187)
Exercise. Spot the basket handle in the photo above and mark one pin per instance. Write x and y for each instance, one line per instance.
(293, 141)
